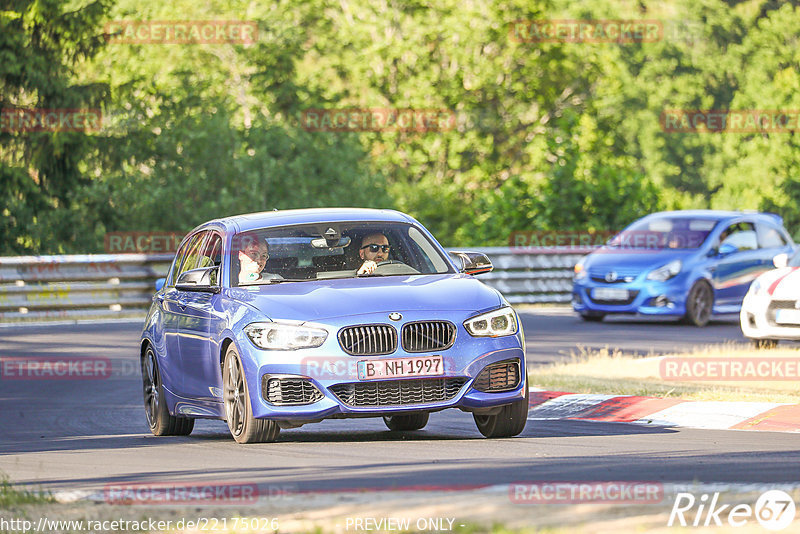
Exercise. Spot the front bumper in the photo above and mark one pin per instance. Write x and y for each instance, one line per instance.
(757, 318)
(331, 371)
(647, 297)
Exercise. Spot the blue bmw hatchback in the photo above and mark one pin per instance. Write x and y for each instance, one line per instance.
(688, 264)
(278, 319)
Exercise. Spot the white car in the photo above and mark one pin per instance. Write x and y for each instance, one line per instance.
(771, 308)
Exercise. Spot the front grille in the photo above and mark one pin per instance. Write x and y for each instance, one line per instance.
(631, 297)
(501, 376)
(289, 391)
(368, 339)
(625, 275)
(774, 306)
(398, 392)
(426, 336)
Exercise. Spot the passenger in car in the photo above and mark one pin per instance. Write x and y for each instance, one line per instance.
(253, 257)
(374, 249)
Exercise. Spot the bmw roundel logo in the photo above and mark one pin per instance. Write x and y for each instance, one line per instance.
(394, 316)
(611, 276)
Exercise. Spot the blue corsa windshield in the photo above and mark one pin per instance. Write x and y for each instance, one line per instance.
(664, 233)
(318, 251)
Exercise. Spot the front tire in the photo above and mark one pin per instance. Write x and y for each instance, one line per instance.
(155, 404)
(699, 304)
(238, 411)
(593, 317)
(765, 343)
(415, 421)
(508, 423)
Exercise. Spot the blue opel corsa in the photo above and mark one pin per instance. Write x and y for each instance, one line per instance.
(688, 264)
(274, 320)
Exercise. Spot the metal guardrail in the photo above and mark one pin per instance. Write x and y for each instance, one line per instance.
(107, 285)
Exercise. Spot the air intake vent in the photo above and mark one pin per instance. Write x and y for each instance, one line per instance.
(368, 339)
(398, 392)
(288, 391)
(426, 336)
(501, 376)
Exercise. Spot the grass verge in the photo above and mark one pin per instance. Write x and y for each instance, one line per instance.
(613, 373)
(11, 496)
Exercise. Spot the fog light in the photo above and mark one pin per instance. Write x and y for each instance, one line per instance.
(661, 301)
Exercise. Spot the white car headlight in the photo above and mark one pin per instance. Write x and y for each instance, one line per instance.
(282, 336)
(502, 322)
(756, 287)
(662, 274)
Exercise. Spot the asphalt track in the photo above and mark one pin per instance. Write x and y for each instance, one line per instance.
(88, 434)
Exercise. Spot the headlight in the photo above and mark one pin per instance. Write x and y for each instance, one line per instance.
(580, 269)
(662, 274)
(756, 287)
(502, 322)
(281, 336)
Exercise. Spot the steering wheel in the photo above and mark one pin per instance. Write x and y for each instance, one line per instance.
(387, 262)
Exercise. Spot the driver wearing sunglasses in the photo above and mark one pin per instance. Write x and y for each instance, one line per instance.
(374, 249)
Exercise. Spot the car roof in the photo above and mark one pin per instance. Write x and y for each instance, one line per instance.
(717, 215)
(253, 221)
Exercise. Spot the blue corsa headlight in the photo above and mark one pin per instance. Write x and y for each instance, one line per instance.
(580, 269)
(662, 274)
(502, 322)
(283, 336)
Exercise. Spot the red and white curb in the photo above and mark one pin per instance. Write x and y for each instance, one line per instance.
(764, 416)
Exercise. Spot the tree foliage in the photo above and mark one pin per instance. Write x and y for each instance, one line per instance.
(547, 135)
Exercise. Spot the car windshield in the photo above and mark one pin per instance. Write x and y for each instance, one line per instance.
(318, 251)
(664, 233)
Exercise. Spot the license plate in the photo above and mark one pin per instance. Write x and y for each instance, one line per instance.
(425, 366)
(787, 317)
(609, 293)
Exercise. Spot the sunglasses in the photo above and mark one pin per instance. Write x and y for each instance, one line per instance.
(376, 248)
(255, 256)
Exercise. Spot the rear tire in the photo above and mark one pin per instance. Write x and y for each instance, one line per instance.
(765, 343)
(508, 423)
(155, 404)
(238, 411)
(699, 304)
(415, 421)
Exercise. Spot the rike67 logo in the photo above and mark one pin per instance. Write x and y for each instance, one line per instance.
(774, 510)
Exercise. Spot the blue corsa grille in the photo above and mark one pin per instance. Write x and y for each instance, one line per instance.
(398, 392)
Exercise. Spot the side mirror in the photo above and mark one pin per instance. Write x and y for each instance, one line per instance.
(160, 283)
(202, 279)
(727, 249)
(781, 260)
(472, 262)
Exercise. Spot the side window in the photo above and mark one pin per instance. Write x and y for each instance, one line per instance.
(769, 236)
(741, 235)
(213, 253)
(193, 255)
(179, 258)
